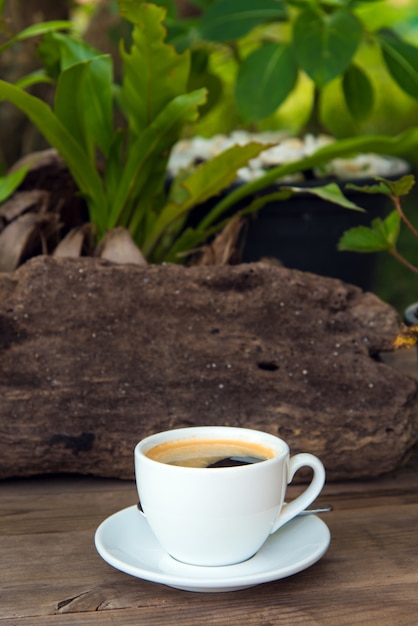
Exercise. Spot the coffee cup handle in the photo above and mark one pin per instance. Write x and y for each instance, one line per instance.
(291, 509)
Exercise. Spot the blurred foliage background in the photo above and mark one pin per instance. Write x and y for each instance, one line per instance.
(98, 22)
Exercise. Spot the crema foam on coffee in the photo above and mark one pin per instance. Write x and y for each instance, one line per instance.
(209, 453)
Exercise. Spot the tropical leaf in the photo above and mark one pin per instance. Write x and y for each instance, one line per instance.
(206, 181)
(401, 59)
(58, 51)
(201, 76)
(34, 78)
(131, 10)
(358, 92)
(83, 103)
(227, 20)
(265, 79)
(37, 30)
(150, 150)
(151, 67)
(9, 183)
(324, 44)
(114, 164)
(84, 173)
(182, 34)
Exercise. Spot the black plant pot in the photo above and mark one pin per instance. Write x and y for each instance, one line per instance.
(303, 232)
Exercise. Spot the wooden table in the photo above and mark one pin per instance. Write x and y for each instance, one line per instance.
(51, 574)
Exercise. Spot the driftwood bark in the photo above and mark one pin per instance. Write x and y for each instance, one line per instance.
(94, 356)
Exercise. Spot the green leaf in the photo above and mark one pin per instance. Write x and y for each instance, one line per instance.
(59, 51)
(152, 67)
(186, 242)
(324, 44)
(83, 103)
(330, 193)
(36, 30)
(170, 6)
(381, 188)
(98, 101)
(358, 92)
(114, 164)
(227, 20)
(389, 227)
(9, 183)
(382, 236)
(131, 10)
(49, 52)
(206, 181)
(150, 150)
(56, 134)
(74, 51)
(362, 239)
(34, 78)
(182, 34)
(400, 187)
(191, 238)
(401, 59)
(67, 103)
(218, 173)
(284, 193)
(265, 79)
(201, 76)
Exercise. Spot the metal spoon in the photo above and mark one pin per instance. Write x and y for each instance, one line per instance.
(326, 508)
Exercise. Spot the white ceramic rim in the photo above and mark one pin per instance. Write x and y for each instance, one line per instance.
(280, 447)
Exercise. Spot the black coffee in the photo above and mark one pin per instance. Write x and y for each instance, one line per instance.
(235, 461)
(208, 453)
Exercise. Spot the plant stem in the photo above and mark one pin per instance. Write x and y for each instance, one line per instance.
(404, 261)
(397, 202)
(313, 124)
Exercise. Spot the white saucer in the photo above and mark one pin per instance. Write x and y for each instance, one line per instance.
(126, 542)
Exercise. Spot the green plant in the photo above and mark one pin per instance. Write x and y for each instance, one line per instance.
(35, 30)
(116, 139)
(383, 234)
(121, 171)
(272, 43)
(10, 182)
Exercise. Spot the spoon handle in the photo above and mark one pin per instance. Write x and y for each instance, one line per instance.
(326, 508)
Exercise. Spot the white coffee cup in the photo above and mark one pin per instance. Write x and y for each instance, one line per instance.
(220, 516)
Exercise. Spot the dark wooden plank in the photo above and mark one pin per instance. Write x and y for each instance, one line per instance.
(51, 573)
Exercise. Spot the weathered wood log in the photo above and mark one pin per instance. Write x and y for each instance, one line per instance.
(94, 356)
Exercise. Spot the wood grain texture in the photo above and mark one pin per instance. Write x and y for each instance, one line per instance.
(52, 575)
(94, 356)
